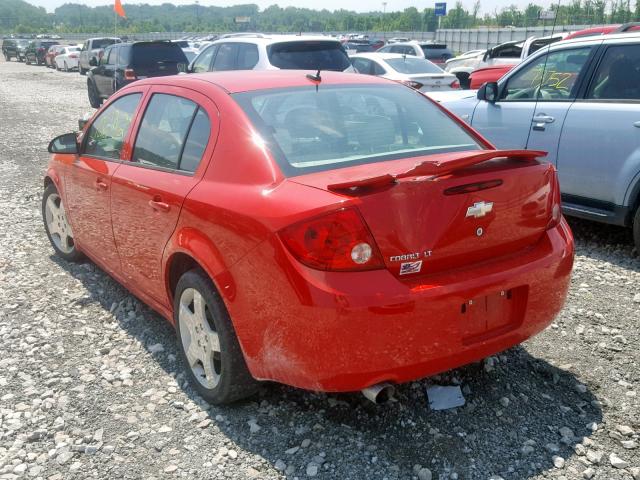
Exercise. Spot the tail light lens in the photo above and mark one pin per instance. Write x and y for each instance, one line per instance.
(556, 203)
(455, 84)
(412, 84)
(338, 241)
(73, 55)
(40, 49)
(129, 74)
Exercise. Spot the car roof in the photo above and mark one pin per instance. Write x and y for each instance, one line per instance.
(597, 40)
(384, 56)
(236, 81)
(269, 39)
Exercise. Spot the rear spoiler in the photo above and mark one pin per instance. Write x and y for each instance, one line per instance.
(437, 168)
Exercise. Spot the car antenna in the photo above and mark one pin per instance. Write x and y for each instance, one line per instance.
(316, 77)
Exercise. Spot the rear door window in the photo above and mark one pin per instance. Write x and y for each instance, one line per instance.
(106, 134)
(362, 65)
(226, 57)
(167, 134)
(309, 55)
(618, 75)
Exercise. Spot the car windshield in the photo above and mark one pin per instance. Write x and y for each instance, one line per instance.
(22, 43)
(309, 129)
(412, 65)
(103, 42)
(309, 55)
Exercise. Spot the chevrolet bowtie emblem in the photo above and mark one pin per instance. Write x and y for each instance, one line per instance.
(479, 209)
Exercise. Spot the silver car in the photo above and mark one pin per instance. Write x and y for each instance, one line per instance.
(578, 100)
(414, 72)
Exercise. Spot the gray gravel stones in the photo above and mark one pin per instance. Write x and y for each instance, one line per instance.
(91, 385)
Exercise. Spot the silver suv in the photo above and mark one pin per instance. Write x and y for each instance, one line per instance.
(579, 101)
(272, 52)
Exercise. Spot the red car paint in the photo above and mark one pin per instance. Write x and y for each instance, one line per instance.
(319, 329)
(487, 74)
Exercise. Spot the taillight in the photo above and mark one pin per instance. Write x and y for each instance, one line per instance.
(129, 74)
(40, 49)
(338, 241)
(556, 202)
(455, 84)
(73, 55)
(413, 84)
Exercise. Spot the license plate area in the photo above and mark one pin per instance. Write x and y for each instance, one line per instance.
(492, 315)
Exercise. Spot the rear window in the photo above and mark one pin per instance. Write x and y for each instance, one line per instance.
(308, 55)
(151, 54)
(309, 130)
(102, 43)
(436, 51)
(182, 43)
(48, 44)
(413, 65)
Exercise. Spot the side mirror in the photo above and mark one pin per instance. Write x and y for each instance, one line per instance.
(67, 143)
(488, 92)
(93, 62)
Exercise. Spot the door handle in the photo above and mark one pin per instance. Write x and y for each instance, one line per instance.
(101, 185)
(542, 118)
(158, 205)
(637, 124)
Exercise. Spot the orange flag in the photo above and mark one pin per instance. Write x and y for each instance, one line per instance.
(117, 7)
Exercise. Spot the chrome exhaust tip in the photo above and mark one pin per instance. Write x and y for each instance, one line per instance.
(379, 393)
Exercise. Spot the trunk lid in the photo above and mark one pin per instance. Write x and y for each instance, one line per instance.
(434, 81)
(449, 212)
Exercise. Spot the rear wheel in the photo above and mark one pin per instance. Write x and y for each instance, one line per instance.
(66, 67)
(207, 342)
(57, 226)
(636, 230)
(82, 70)
(94, 98)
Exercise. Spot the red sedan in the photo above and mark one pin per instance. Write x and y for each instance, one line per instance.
(332, 232)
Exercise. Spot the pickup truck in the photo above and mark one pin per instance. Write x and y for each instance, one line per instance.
(93, 48)
(508, 53)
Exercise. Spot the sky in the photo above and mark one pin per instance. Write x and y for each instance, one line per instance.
(357, 5)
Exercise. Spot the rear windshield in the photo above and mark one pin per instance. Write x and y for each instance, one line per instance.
(309, 55)
(413, 65)
(309, 130)
(151, 54)
(48, 44)
(436, 51)
(103, 42)
(182, 43)
(538, 44)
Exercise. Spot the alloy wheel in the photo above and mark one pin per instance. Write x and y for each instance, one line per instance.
(199, 338)
(57, 224)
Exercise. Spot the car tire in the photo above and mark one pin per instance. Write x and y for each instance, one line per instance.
(82, 70)
(66, 67)
(204, 329)
(57, 225)
(636, 229)
(94, 98)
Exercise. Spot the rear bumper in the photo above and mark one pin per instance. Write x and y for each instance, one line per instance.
(334, 331)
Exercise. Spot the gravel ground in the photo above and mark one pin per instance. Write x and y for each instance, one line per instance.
(90, 386)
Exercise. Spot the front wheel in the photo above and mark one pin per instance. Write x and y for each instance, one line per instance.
(207, 342)
(57, 226)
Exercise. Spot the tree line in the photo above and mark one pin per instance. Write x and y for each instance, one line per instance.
(18, 16)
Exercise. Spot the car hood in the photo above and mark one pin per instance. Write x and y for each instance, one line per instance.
(451, 95)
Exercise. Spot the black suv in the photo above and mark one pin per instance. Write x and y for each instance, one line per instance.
(36, 50)
(123, 63)
(14, 48)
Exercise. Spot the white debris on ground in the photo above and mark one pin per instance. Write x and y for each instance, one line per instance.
(90, 386)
